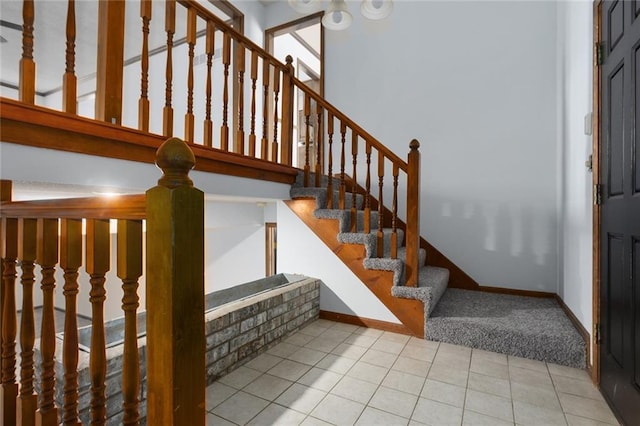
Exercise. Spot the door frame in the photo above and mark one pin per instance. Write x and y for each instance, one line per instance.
(595, 344)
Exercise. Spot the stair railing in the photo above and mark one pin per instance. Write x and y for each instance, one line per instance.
(60, 234)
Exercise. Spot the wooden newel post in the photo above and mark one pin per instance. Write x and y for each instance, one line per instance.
(287, 113)
(175, 292)
(413, 214)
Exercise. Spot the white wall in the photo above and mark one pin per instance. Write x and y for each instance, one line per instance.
(475, 83)
(575, 66)
(301, 251)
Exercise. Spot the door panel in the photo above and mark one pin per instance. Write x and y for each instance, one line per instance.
(620, 210)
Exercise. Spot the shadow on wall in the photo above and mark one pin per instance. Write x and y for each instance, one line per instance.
(498, 244)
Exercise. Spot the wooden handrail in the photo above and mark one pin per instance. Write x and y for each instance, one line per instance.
(117, 207)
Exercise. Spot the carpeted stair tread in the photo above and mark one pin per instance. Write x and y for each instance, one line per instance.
(370, 241)
(321, 197)
(432, 283)
(528, 327)
(344, 216)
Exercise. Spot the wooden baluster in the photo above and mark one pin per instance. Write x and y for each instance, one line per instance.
(412, 236)
(307, 113)
(276, 90)
(175, 301)
(27, 252)
(394, 214)
(9, 388)
(264, 147)
(254, 78)
(69, 81)
(210, 49)
(70, 261)
(240, 63)
(226, 60)
(170, 28)
(367, 196)
(110, 61)
(354, 181)
(287, 111)
(189, 119)
(143, 102)
(380, 234)
(47, 258)
(318, 142)
(330, 160)
(129, 271)
(27, 84)
(98, 262)
(343, 160)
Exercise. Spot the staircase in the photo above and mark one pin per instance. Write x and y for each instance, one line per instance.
(376, 266)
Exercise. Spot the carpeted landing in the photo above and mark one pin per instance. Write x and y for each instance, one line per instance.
(528, 327)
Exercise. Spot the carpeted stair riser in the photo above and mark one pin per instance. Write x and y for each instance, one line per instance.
(432, 281)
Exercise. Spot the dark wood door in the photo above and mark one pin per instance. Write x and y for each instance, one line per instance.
(620, 250)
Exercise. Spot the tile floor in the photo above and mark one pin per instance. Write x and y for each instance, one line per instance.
(340, 374)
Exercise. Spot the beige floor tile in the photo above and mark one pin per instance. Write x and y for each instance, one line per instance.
(394, 401)
(577, 387)
(312, 421)
(320, 379)
(488, 404)
(436, 414)
(422, 353)
(488, 384)
(452, 360)
(217, 393)
(374, 417)
(412, 366)
(283, 349)
(415, 423)
(213, 420)
(479, 354)
(301, 398)
(423, 343)
(574, 373)
(314, 329)
(368, 372)
(240, 377)
(337, 410)
(299, 339)
(335, 363)
(349, 351)
(240, 408)
(395, 337)
(324, 323)
(585, 407)
(349, 328)
(355, 389)
(454, 349)
(454, 376)
(335, 335)
(307, 356)
(444, 392)
(574, 420)
(537, 396)
(267, 387)
(322, 344)
(276, 414)
(530, 377)
(289, 370)
(529, 364)
(382, 359)
(370, 332)
(531, 415)
(404, 382)
(263, 362)
(360, 340)
(489, 368)
(388, 346)
(471, 418)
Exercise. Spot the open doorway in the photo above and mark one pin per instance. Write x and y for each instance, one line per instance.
(303, 39)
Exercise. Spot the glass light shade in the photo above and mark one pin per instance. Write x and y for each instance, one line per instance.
(376, 9)
(337, 16)
(303, 6)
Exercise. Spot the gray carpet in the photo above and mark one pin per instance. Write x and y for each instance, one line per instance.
(527, 327)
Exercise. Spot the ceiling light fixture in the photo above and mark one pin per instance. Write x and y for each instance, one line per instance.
(337, 16)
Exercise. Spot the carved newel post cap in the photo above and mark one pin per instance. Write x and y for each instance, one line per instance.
(175, 158)
(414, 144)
(289, 60)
